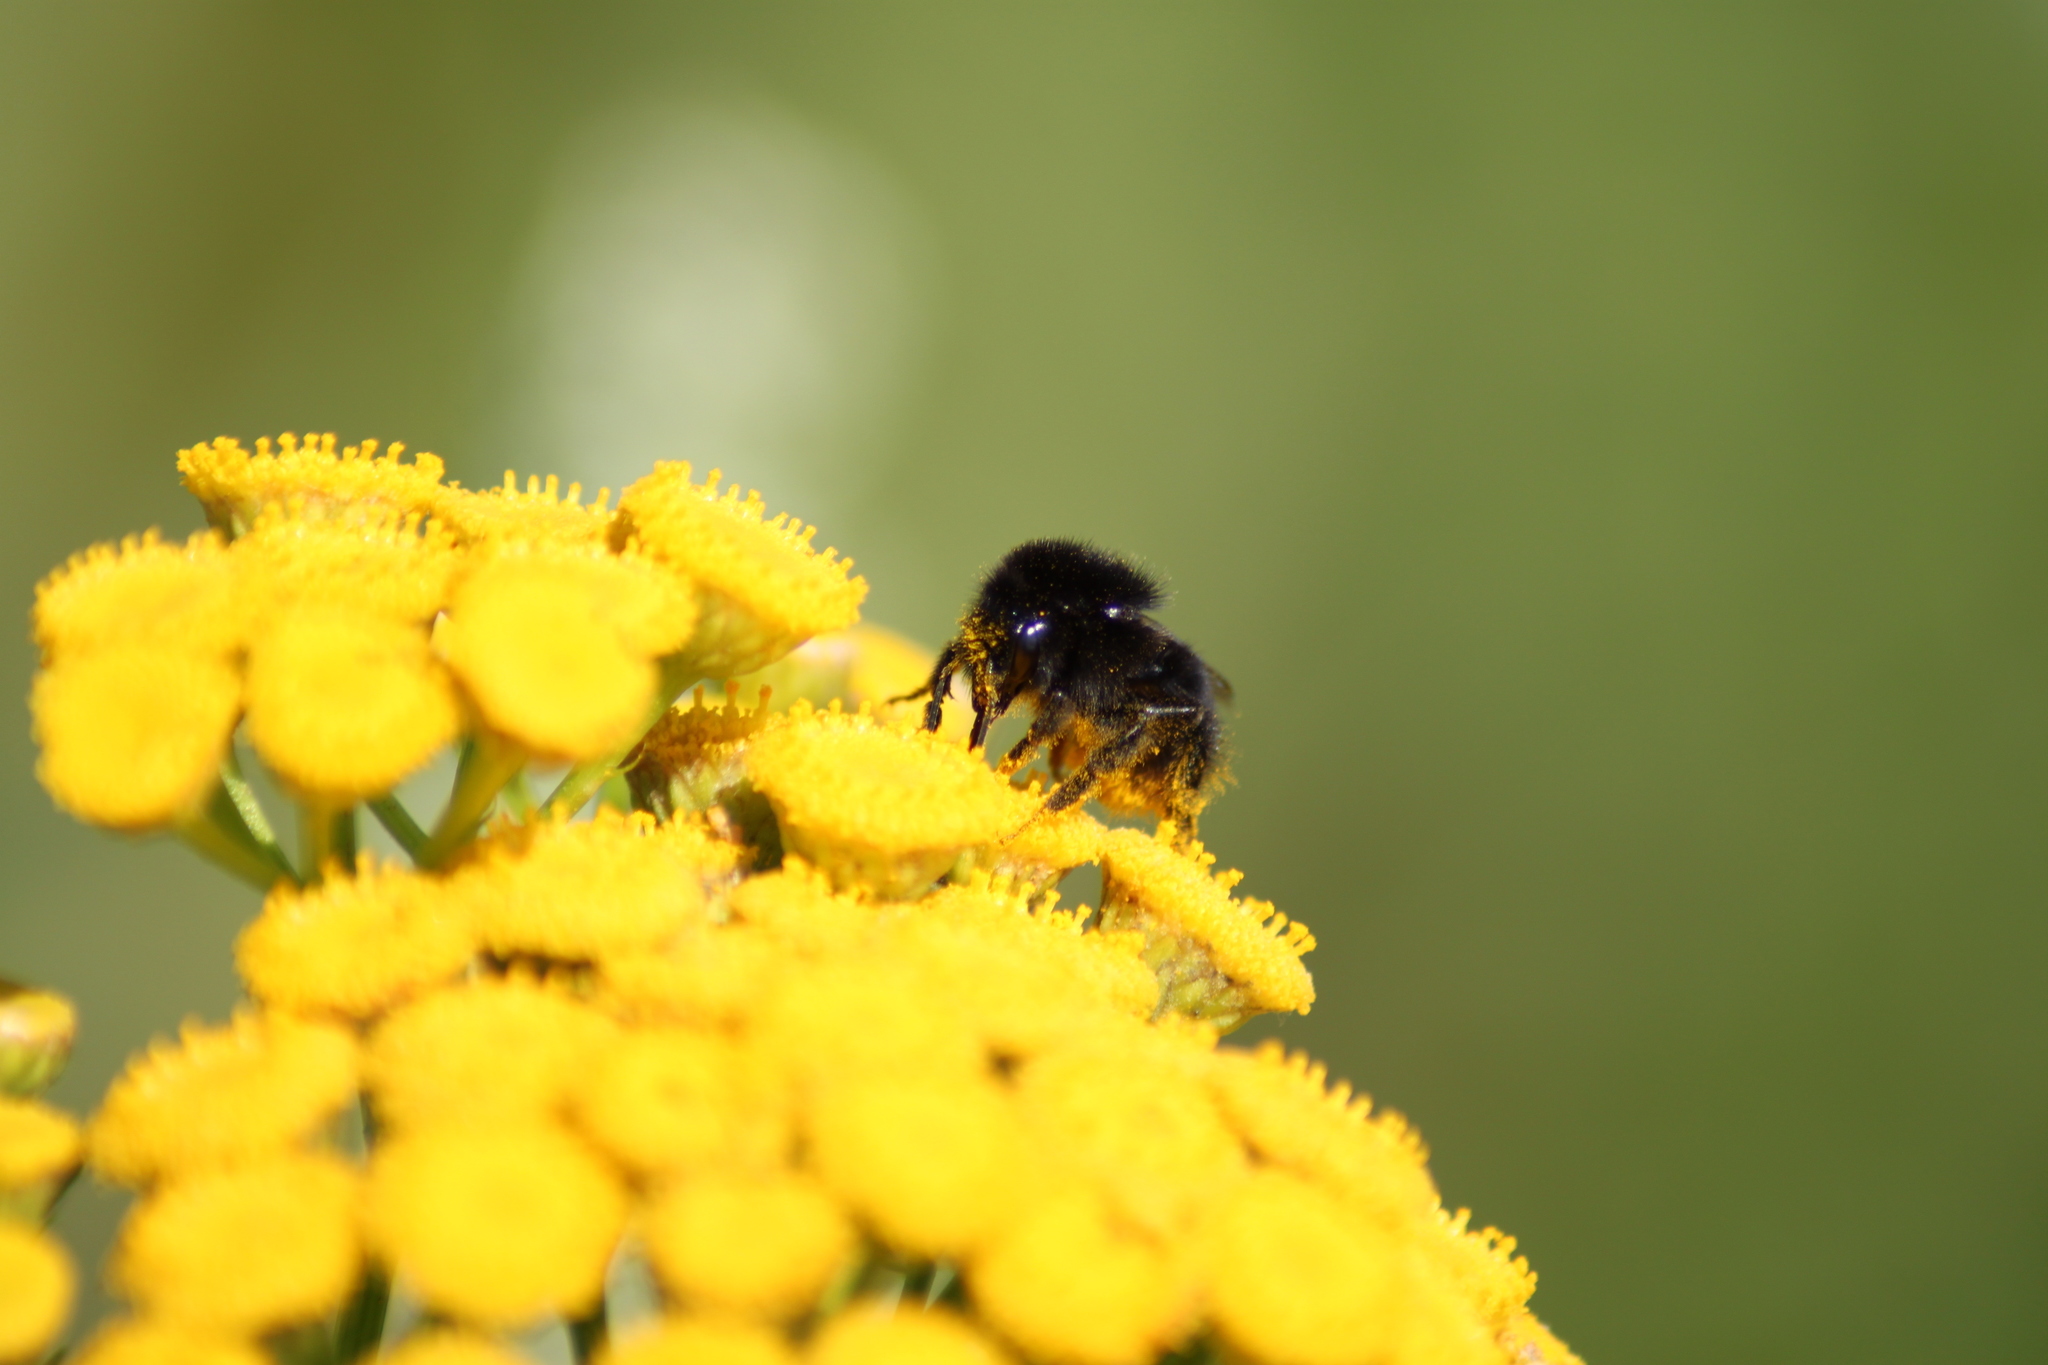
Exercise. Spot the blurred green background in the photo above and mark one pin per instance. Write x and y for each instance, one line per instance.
(1604, 444)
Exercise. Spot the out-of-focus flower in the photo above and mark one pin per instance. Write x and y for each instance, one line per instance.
(40, 1148)
(159, 1341)
(144, 590)
(701, 1340)
(234, 485)
(37, 1029)
(446, 1346)
(221, 1096)
(37, 1285)
(759, 1245)
(866, 1335)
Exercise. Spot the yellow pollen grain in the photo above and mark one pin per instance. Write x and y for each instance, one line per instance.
(221, 1096)
(344, 704)
(143, 591)
(495, 1226)
(763, 1245)
(132, 737)
(247, 1250)
(354, 946)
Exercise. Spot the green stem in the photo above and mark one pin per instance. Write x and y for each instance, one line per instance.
(327, 835)
(587, 1334)
(488, 763)
(221, 832)
(361, 1329)
(399, 824)
(518, 797)
(584, 780)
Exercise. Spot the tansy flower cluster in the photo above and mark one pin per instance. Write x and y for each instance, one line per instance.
(786, 1051)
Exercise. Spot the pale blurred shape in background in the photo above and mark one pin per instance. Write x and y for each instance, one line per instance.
(719, 282)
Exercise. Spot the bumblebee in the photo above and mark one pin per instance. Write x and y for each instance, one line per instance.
(1126, 712)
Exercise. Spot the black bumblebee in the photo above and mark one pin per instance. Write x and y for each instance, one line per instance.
(1126, 712)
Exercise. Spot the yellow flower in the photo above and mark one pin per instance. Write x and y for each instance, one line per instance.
(708, 978)
(353, 946)
(691, 759)
(700, 1341)
(863, 665)
(668, 1100)
(590, 889)
(132, 736)
(343, 704)
(1218, 958)
(557, 647)
(39, 1151)
(861, 1015)
(1046, 848)
(875, 806)
(762, 587)
(1279, 1105)
(445, 1346)
(246, 1250)
(37, 1029)
(37, 1285)
(539, 512)
(935, 1165)
(234, 485)
(797, 906)
(1137, 1123)
(481, 1052)
(371, 559)
(142, 591)
(1528, 1342)
(499, 1226)
(1292, 1282)
(221, 1096)
(868, 1334)
(1067, 1284)
(763, 1245)
(155, 1341)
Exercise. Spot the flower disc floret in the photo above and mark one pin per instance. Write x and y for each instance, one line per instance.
(763, 589)
(144, 590)
(37, 1285)
(761, 1245)
(132, 736)
(221, 1096)
(247, 1250)
(343, 704)
(354, 946)
(877, 806)
(234, 485)
(497, 1226)
(481, 1052)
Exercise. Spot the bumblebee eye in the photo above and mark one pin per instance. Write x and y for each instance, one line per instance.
(1031, 630)
(1113, 612)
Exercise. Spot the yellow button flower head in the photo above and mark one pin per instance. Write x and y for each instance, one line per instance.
(39, 1150)
(221, 1096)
(37, 1029)
(1291, 1282)
(1218, 958)
(862, 1015)
(343, 703)
(539, 512)
(482, 1052)
(444, 1346)
(710, 978)
(177, 597)
(667, 1100)
(1279, 1105)
(248, 1250)
(761, 1245)
(371, 559)
(590, 889)
(1143, 1129)
(1028, 977)
(1480, 1268)
(868, 1334)
(797, 906)
(353, 946)
(37, 1285)
(763, 589)
(235, 485)
(691, 759)
(497, 1226)
(156, 1341)
(935, 1165)
(557, 645)
(1067, 1284)
(875, 806)
(132, 736)
(700, 1341)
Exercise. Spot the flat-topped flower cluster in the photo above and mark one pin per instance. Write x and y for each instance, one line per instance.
(786, 1051)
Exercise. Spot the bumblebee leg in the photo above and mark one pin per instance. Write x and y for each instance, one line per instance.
(1044, 727)
(1109, 757)
(936, 686)
(988, 708)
